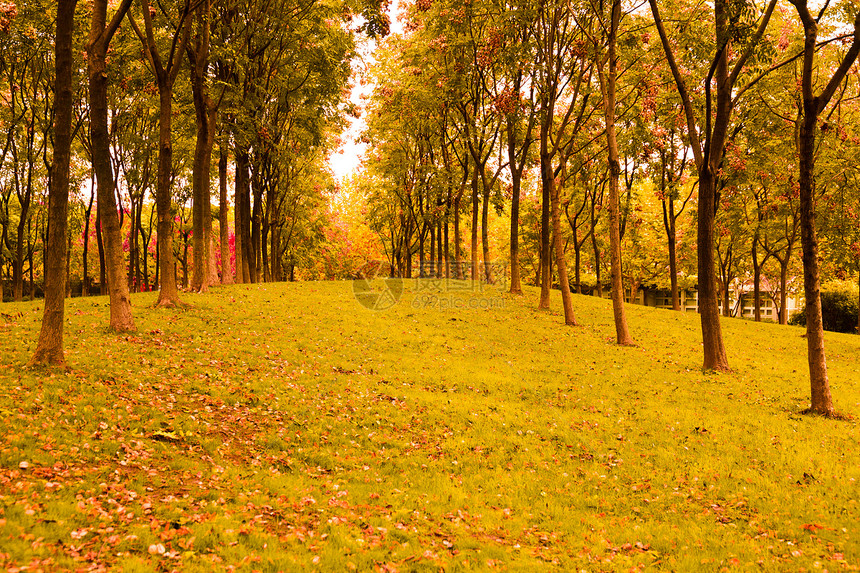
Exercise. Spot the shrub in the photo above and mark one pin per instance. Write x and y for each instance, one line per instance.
(839, 309)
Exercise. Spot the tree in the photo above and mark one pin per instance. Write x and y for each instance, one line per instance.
(101, 34)
(205, 109)
(563, 77)
(165, 71)
(27, 75)
(49, 349)
(608, 81)
(707, 133)
(813, 106)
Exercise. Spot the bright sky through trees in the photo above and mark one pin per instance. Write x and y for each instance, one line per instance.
(347, 158)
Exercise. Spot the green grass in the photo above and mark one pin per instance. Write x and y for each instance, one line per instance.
(285, 427)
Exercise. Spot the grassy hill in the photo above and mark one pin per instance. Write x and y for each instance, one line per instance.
(286, 427)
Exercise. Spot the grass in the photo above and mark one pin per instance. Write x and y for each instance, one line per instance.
(285, 427)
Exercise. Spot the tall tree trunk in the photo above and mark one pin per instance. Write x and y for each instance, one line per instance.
(205, 120)
(32, 269)
(18, 264)
(440, 268)
(254, 265)
(166, 73)
(447, 244)
(712, 335)
(101, 249)
(475, 206)
(516, 280)
(708, 145)
(114, 265)
(546, 186)
(485, 237)
(242, 232)
(671, 238)
(407, 248)
(458, 269)
(561, 264)
(756, 280)
(421, 263)
(432, 265)
(132, 246)
(608, 83)
(822, 402)
(238, 255)
(598, 287)
(168, 295)
(85, 287)
(223, 223)
(516, 189)
(49, 348)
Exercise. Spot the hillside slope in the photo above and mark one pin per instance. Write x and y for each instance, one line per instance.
(287, 427)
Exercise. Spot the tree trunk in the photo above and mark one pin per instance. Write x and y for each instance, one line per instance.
(254, 255)
(168, 295)
(822, 402)
(226, 271)
(608, 84)
(516, 281)
(458, 264)
(101, 249)
(49, 348)
(475, 206)
(598, 287)
(205, 121)
(114, 265)
(407, 249)
(447, 244)
(440, 260)
(516, 189)
(546, 186)
(85, 287)
(243, 219)
(18, 263)
(712, 336)
(756, 281)
(561, 264)
(673, 256)
(432, 265)
(485, 236)
(32, 269)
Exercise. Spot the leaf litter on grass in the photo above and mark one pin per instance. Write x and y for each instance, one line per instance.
(285, 427)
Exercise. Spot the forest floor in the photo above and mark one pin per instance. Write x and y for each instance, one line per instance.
(286, 427)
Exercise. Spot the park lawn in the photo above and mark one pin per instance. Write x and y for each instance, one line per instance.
(286, 427)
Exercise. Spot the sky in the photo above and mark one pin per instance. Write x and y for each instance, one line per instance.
(347, 158)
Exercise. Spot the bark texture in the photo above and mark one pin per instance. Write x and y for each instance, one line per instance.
(101, 33)
(49, 349)
(608, 82)
(821, 399)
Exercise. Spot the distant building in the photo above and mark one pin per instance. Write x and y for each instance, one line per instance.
(740, 300)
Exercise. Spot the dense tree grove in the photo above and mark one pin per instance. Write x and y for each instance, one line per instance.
(706, 152)
(672, 138)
